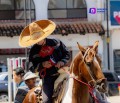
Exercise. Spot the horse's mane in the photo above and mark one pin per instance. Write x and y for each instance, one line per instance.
(75, 61)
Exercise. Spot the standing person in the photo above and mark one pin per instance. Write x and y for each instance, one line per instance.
(30, 79)
(18, 74)
(47, 55)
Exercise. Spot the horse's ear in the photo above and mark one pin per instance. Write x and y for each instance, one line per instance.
(80, 47)
(95, 46)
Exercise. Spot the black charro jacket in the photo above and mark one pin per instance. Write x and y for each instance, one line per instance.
(60, 53)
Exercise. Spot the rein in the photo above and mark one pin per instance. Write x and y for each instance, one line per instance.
(87, 84)
(86, 53)
(90, 88)
(43, 73)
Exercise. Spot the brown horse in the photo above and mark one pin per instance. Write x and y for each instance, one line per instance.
(93, 63)
(85, 72)
(34, 96)
(90, 54)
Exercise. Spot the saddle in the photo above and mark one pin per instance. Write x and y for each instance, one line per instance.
(60, 85)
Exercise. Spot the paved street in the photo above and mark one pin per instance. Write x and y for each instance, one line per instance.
(114, 99)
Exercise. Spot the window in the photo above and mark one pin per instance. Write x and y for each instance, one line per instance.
(6, 4)
(20, 4)
(67, 9)
(57, 14)
(19, 14)
(54, 4)
(14, 9)
(79, 4)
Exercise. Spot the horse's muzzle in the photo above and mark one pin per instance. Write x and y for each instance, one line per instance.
(102, 86)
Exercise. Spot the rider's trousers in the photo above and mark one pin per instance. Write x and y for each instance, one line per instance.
(47, 90)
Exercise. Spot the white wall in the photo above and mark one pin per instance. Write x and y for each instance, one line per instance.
(41, 7)
(115, 44)
(8, 42)
(85, 40)
(70, 40)
(95, 4)
(115, 39)
(91, 4)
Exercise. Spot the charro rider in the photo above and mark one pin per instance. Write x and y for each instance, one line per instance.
(46, 55)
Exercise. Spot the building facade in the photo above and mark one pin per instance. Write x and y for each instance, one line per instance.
(75, 23)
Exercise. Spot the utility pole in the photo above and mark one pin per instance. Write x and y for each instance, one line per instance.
(108, 35)
(25, 18)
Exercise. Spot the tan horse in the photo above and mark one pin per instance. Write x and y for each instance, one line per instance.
(85, 71)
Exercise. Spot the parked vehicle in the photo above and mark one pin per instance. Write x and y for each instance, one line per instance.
(3, 67)
(4, 87)
(113, 82)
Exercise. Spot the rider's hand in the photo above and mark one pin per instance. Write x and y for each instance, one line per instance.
(47, 64)
(59, 64)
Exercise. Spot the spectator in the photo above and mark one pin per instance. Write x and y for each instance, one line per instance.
(30, 79)
(18, 74)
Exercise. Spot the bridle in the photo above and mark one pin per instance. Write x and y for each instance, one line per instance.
(97, 81)
(88, 69)
(91, 88)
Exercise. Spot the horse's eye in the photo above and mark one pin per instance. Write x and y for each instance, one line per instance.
(89, 64)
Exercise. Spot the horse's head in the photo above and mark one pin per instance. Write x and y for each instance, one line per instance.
(94, 68)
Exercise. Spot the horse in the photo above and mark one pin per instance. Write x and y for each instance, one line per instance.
(34, 95)
(85, 74)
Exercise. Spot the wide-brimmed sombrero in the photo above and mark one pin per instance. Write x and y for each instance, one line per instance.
(35, 32)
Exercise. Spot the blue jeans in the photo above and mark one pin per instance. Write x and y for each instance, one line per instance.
(47, 90)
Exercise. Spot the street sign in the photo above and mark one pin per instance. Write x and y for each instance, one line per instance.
(115, 13)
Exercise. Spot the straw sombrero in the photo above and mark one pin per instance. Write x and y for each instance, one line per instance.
(35, 32)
